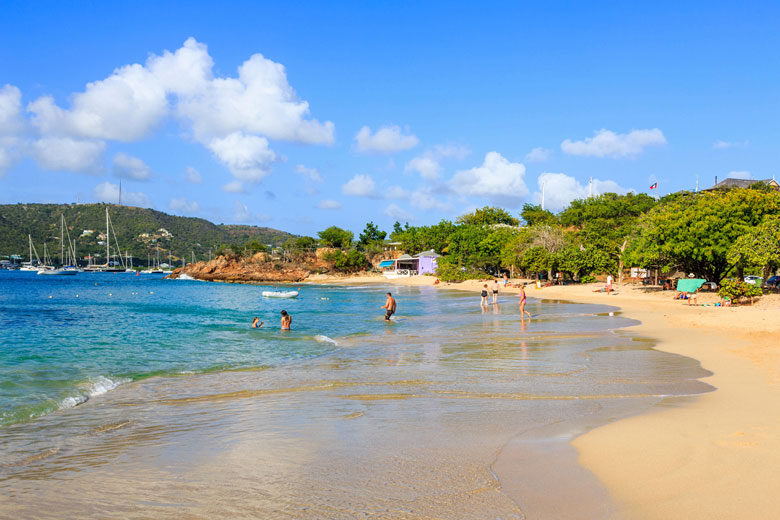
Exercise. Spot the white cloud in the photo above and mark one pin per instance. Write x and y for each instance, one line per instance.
(497, 179)
(739, 175)
(311, 174)
(247, 156)
(329, 204)
(241, 213)
(729, 144)
(192, 175)
(560, 189)
(606, 143)
(427, 166)
(129, 167)
(182, 205)
(396, 192)
(234, 187)
(424, 200)
(65, 154)
(11, 121)
(360, 186)
(387, 139)
(108, 192)
(397, 213)
(538, 154)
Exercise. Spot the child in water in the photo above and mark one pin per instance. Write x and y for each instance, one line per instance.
(256, 323)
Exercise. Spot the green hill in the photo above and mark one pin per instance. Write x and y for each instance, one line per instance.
(139, 231)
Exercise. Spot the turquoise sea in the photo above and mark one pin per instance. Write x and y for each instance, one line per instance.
(136, 396)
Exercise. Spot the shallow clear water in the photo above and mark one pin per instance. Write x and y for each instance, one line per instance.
(342, 417)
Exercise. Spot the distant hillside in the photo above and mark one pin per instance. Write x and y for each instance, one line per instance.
(139, 231)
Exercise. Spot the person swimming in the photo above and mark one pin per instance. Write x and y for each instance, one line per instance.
(286, 321)
(256, 323)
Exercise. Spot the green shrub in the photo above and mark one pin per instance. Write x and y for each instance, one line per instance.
(449, 272)
(588, 278)
(737, 290)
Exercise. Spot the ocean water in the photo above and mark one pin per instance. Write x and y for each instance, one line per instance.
(136, 396)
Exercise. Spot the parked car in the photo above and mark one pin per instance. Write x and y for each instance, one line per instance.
(751, 278)
(773, 281)
(709, 286)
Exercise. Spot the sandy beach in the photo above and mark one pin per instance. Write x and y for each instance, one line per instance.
(710, 456)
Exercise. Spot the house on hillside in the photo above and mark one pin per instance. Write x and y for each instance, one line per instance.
(742, 183)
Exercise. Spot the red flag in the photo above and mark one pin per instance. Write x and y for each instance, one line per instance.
(654, 186)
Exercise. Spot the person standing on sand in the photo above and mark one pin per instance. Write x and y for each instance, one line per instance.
(523, 312)
(389, 306)
(286, 321)
(484, 301)
(506, 278)
(495, 291)
(609, 283)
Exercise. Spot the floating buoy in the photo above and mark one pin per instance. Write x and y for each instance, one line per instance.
(50, 296)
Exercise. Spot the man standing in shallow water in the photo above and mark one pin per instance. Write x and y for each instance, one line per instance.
(390, 306)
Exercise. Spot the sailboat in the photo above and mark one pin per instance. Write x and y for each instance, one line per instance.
(31, 266)
(67, 264)
(107, 267)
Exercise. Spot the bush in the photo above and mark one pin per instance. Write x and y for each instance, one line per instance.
(737, 290)
(346, 262)
(449, 272)
(588, 278)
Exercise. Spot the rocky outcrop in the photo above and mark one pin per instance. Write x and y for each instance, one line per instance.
(257, 269)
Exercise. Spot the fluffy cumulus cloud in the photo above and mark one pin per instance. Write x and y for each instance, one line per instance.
(11, 126)
(234, 187)
(606, 143)
(329, 204)
(427, 165)
(247, 156)
(395, 212)
(360, 186)
(497, 179)
(396, 192)
(66, 154)
(192, 175)
(109, 192)
(560, 189)
(129, 167)
(387, 139)
(423, 199)
(241, 213)
(739, 175)
(538, 154)
(231, 116)
(182, 205)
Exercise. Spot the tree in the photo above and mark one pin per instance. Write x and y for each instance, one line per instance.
(696, 232)
(335, 237)
(487, 216)
(759, 247)
(534, 214)
(370, 236)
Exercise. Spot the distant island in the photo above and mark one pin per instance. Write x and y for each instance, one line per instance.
(140, 232)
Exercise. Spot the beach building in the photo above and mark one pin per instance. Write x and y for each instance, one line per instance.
(742, 183)
(406, 265)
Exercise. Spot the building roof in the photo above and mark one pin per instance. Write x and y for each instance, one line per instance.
(404, 257)
(428, 254)
(743, 183)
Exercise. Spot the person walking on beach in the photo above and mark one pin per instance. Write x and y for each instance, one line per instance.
(506, 279)
(495, 291)
(523, 312)
(484, 301)
(389, 306)
(286, 321)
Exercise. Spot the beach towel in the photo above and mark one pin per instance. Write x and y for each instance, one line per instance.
(690, 285)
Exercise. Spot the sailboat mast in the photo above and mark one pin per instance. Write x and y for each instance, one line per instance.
(29, 237)
(62, 240)
(108, 241)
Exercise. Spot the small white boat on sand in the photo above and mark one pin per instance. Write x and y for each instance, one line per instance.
(280, 294)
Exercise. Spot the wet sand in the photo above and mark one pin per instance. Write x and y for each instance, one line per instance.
(715, 455)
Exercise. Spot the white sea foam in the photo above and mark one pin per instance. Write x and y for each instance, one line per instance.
(185, 276)
(325, 339)
(97, 386)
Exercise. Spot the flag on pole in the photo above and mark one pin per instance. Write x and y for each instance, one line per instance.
(654, 186)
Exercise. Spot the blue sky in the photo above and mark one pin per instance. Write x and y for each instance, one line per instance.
(366, 111)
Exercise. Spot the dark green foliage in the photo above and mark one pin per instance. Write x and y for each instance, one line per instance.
(370, 237)
(188, 235)
(737, 290)
(347, 262)
(335, 237)
(534, 214)
(487, 216)
(448, 271)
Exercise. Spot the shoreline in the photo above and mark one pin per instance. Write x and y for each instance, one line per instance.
(710, 455)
